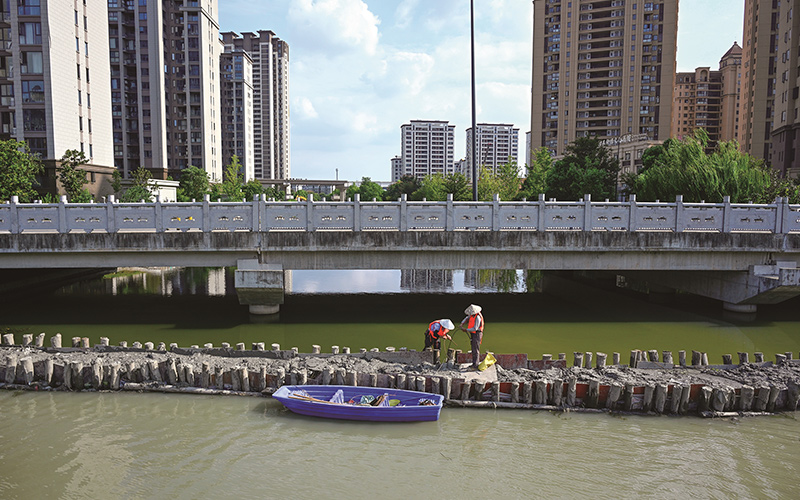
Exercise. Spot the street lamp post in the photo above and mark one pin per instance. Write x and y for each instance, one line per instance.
(474, 126)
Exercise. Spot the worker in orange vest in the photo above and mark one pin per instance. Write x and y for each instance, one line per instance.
(474, 328)
(436, 331)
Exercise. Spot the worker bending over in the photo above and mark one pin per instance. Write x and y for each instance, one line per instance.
(436, 331)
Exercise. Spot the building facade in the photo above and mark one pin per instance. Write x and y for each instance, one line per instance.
(759, 70)
(602, 68)
(709, 99)
(164, 58)
(697, 103)
(270, 58)
(397, 168)
(427, 148)
(53, 67)
(786, 125)
(498, 143)
(236, 79)
(730, 66)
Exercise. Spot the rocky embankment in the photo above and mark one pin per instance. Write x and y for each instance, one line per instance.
(513, 382)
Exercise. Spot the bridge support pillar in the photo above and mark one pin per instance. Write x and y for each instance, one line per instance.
(259, 286)
(740, 308)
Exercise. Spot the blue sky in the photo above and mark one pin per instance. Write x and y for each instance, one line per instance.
(359, 69)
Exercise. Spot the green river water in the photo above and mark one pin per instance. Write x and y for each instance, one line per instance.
(125, 445)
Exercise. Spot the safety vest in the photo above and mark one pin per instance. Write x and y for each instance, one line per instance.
(430, 330)
(471, 322)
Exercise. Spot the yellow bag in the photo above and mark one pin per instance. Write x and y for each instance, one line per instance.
(488, 361)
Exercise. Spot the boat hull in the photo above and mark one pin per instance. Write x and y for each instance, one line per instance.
(410, 411)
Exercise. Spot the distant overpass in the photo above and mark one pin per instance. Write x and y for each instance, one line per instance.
(739, 253)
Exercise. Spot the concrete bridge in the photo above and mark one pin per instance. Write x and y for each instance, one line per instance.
(742, 254)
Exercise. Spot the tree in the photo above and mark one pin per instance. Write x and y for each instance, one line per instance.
(458, 185)
(507, 176)
(72, 178)
(232, 181)
(18, 170)
(686, 168)
(140, 188)
(588, 168)
(406, 185)
(275, 193)
(367, 189)
(370, 190)
(194, 184)
(431, 188)
(536, 181)
(251, 189)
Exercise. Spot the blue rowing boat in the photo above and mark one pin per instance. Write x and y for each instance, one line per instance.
(375, 404)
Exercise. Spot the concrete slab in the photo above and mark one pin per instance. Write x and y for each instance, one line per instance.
(488, 375)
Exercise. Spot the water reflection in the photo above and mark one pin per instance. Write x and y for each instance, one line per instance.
(219, 282)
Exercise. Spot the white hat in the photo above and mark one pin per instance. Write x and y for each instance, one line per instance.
(472, 309)
(447, 324)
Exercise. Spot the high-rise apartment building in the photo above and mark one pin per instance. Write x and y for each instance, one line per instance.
(427, 148)
(165, 85)
(786, 125)
(54, 91)
(730, 66)
(397, 168)
(759, 69)
(498, 144)
(270, 58)
(236, 80)
(697, 103)
(602, 68)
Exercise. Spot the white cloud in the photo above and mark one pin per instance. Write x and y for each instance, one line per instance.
(404, 14)
(330, 26)
(306, 108)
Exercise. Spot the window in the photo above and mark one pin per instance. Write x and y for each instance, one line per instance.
(31, 63)
(87, 75)
(7, 94)
(33, 120)
(38, 145)
(77, 44)
(28, 7)
(32, 91)
(79, 98)
(30, 33)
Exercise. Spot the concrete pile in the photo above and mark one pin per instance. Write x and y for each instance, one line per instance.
(651, 387)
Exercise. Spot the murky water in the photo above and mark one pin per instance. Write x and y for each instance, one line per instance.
(126, 445)
(563, 315)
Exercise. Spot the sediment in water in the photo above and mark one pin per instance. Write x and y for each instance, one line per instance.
(515, 381)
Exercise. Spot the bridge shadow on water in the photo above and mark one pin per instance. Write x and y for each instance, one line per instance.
(564, 299)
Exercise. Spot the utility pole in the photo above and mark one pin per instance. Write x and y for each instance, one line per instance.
(474, 126)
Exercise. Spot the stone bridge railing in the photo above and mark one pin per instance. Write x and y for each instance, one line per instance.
(263, 215)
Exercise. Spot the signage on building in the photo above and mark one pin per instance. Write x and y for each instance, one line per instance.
(625, 139)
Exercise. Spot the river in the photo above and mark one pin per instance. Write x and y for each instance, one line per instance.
(370, 309)
(127, 445)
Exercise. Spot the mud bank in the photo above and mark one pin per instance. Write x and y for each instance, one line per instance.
(651, 387)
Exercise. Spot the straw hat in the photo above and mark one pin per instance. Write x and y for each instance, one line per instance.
(472, 309)
(447, 324)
